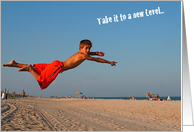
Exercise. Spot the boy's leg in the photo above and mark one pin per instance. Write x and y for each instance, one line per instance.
(31, 69)
(13, 63)
(24, 67)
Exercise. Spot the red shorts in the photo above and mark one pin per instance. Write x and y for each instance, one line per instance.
(48, 72)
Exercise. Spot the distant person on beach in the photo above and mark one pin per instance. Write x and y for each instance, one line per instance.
(158, 96)
(23, 94)
(133, 98)
(149, 96)
(45, 74)
(154, 98)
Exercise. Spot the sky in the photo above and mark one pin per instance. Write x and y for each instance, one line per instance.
(147, 49)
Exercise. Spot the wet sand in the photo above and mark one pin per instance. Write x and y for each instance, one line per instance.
(43, 114)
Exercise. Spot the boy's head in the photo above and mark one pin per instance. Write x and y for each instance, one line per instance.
(84, 43)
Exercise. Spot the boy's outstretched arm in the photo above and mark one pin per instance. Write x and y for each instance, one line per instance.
(97, 53)
(113, 63)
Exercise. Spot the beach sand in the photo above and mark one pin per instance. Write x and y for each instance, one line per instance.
(44, 114)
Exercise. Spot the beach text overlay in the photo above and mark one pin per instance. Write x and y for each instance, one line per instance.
(124, 17)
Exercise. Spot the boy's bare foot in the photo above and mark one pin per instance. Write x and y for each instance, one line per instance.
(27, 68)
(11, 64)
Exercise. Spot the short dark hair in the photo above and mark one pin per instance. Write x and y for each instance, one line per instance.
(85, 42)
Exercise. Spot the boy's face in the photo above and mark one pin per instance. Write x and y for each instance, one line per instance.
(85, 49)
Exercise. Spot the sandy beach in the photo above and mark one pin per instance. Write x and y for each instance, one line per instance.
(44, 114)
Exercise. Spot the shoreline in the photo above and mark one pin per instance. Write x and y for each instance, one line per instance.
(173, 98)
(35, 114)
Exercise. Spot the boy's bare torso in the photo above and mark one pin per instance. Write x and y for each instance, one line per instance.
(74, 61)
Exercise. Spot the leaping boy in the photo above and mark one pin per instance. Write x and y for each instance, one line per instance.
(45, 74)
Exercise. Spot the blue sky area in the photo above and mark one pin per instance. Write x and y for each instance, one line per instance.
(147, 49)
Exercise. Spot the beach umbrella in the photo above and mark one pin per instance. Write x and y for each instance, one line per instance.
(151, 93)
(78, 93)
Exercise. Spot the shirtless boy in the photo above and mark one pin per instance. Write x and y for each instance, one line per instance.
(45, 74)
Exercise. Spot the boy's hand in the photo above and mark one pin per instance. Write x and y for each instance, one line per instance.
(100, 53)
(113, 63)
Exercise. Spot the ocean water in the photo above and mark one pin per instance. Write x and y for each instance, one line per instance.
(138, 98)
